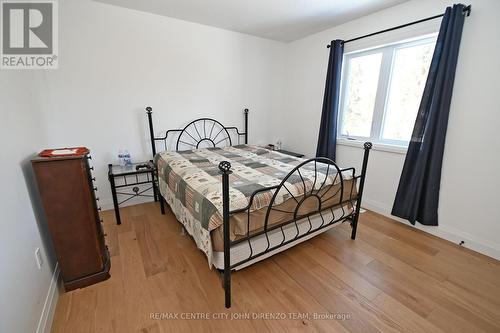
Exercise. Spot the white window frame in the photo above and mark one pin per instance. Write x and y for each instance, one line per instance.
(381, 96)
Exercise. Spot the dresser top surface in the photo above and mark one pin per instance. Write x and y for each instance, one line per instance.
(37, 158)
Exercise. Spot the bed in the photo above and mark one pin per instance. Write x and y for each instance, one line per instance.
(243, 203)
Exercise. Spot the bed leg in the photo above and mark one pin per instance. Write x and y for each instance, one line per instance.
(158, 192)
(354, 226)
(354, 223)
(225, 170)
(162, 203)
(227, 288)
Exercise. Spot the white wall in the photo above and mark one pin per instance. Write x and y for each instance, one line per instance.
(24, 289)
(115, 61)
(469, 208)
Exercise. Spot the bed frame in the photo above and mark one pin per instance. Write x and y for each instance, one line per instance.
(213, 138)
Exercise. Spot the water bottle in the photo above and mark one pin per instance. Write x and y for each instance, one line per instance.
(278, 144)
(120, 158)
(127, 160)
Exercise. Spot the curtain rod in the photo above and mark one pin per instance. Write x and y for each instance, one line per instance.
(466, 12)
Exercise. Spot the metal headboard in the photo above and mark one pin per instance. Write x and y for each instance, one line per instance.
(200, 133)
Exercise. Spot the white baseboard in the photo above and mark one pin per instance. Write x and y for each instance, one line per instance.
(49, 307)
(448, 233)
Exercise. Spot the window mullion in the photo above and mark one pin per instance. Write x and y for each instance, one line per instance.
(343, 93)
(382, 90)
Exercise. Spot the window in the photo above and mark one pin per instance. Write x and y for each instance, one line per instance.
(382, 89)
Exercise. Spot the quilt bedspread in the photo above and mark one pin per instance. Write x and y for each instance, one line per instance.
(193, 177)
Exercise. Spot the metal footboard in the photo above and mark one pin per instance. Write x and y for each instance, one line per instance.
(327, 191)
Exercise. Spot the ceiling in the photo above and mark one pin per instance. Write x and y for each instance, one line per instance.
(282, 20)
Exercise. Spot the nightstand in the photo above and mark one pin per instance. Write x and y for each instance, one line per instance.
(291, 153)
(131, 181)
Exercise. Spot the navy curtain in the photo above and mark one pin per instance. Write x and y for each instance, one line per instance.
(327, 139)
(418, 191)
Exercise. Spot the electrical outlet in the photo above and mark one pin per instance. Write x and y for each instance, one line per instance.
(38, 258)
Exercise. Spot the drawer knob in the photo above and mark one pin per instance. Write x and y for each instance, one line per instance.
(99, 208)
(95, 188)
(93, 179)
(91, 168)
(97, 199)
(89, 157)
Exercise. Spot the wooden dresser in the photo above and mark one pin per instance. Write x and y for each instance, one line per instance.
(66, 188)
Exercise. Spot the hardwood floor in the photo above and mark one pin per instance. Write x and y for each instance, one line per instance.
(390, 279)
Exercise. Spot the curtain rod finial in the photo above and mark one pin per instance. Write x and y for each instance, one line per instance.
(467, 10)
